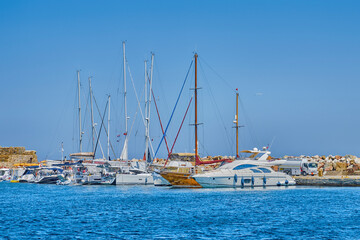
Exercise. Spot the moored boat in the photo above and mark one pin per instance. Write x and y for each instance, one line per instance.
(180, 176)
(244, 173)
(5, 174)
(179, 170)
(47, 175)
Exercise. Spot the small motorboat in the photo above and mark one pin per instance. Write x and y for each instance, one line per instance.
(47, 175)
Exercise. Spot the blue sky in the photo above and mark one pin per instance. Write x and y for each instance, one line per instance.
(295, 63)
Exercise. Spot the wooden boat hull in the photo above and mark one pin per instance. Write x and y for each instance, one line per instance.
(182, 180)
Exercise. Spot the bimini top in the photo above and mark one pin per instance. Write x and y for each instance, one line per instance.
(265, 154)
(26, 165)
(82, 155)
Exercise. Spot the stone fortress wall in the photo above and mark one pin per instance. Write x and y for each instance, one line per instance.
(12, 155)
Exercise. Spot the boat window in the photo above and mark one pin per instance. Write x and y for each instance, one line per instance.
(265, 170)
(243, 166)
(255, 170)
(247, 180)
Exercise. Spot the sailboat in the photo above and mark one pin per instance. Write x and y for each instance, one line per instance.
(86, 169)
(134, 173)
(81, 154)
(183, 165)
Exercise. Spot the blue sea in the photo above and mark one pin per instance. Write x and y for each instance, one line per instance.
(31, 211)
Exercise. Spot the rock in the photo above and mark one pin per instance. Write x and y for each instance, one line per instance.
(329, 168)
(334, 165)
(321, 165)
(340, 166)
(356, 167)
(352, 157)
(350, 170)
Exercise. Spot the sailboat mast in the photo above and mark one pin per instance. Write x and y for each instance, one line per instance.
(108, 142)
(149, 101)
(92, 115)
(237, 125)
(124, 153)
(126, 117)
(196, 135)
(80, 130)
(146, 113)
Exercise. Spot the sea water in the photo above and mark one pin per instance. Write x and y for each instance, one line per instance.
(32, 211)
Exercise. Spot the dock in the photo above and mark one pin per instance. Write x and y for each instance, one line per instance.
(335, 181)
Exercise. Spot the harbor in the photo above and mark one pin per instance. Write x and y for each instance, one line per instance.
(18, 166)
(179, 120)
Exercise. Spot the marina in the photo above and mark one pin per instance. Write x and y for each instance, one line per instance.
(179, 120)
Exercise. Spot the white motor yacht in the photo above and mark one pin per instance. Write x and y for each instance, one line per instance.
(244, 173)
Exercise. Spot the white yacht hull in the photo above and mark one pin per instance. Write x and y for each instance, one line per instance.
(134, 179)
(243, 181)
(47, 179)
(28, 178)
(94, 179)
(243, 173)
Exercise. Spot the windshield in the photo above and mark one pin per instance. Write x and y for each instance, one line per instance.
(313, 165)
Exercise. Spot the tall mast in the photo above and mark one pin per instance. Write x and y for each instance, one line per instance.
(92, 116)
(80, 130)
(237, 124)
(196, 136)
(146, 113)
(124, 153)
(149, 101)
(108, 131)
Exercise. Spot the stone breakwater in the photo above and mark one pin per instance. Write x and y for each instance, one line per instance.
(336, 181)
(335, 165)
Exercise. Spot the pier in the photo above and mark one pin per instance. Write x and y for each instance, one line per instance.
(336, 181)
